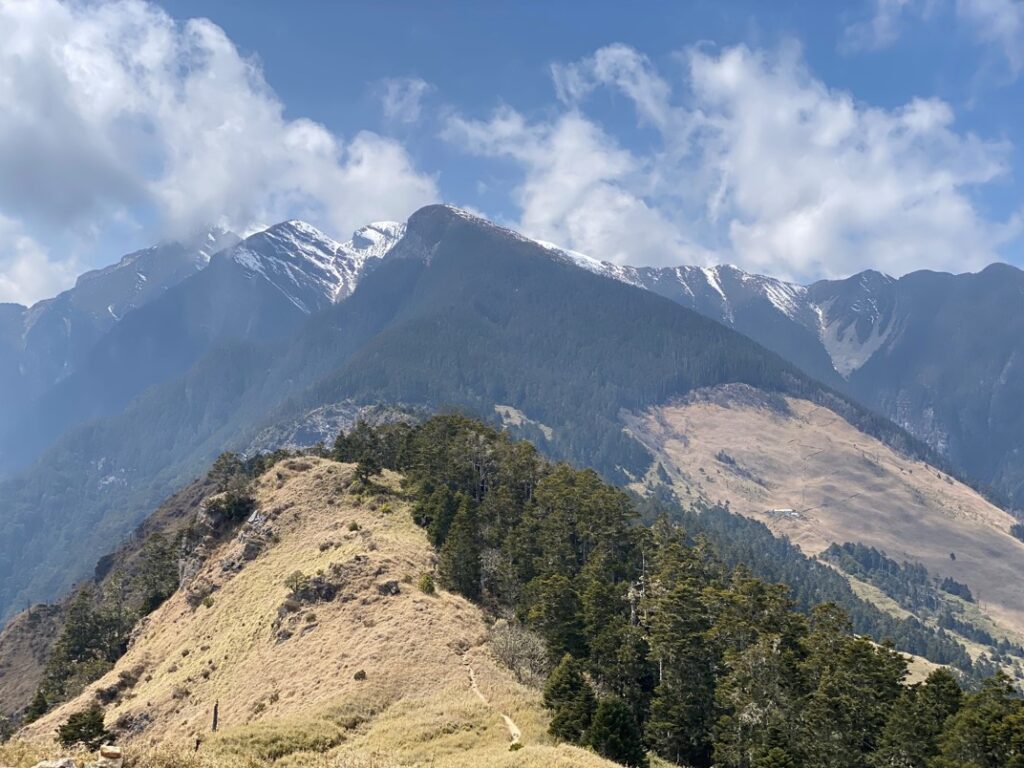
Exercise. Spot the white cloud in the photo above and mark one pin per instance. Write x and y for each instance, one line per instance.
(814, 183)
(1000, 23)
(113, 107)
(401, 98)
(758, 161)
(625, 69)
(995, 23)
(884, 26)
(27, 274)
(580, 190)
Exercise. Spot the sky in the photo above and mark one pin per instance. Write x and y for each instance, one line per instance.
(805, 140)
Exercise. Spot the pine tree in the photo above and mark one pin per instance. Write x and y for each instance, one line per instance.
(857, 687)
(437, 512)
(682, 708)
(38, 707)
(911, 734)
(614, 733)
(569, 697)
(369, 466)
(158, 571)
(555, 614)
(85, 728)
(459, 559)
(987, 731)
(760, 696)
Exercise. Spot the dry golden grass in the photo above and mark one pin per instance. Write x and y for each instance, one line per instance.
(296, 701)
(843, 485)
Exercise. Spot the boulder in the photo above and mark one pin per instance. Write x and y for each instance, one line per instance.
(110, 757)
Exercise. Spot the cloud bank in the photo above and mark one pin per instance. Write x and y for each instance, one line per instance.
(755, 161)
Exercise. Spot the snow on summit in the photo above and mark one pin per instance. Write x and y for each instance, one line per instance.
(309, 267)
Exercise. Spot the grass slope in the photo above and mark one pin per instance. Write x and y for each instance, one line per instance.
(812, 477)
(286, 681)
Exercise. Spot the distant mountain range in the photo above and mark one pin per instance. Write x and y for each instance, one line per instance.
(941, 355)
(165, 367)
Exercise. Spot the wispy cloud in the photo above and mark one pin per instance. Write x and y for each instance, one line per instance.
(401, 98)
(996, 24)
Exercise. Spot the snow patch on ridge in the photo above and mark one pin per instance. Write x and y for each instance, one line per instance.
(840, 340)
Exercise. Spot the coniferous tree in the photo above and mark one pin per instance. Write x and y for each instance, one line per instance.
(911, 735)
(571, 700)
(555, 614)
(158, 571)
(459, 559)
(38, 707)
(682, 707)
(987, 731)
(614, 733)
(761, 697)
(855, 692)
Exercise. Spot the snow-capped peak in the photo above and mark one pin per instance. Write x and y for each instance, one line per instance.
(310, 268)
(375, 239)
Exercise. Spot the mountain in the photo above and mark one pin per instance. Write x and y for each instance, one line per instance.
(46, 342)
(941, 355)
(459, 313)
(260, 289)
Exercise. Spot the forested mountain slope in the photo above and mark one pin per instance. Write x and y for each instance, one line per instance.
(260, 290)
(459, 313)
(44, 343)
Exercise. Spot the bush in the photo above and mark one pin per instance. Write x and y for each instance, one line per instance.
(85, 728)
(426, 584)
(234, 505)
(522, 651)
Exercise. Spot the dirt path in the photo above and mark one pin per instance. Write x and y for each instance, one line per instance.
(513, 730)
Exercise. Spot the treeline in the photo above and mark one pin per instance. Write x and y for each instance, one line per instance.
(910, 585)
(657, 643)
(741, 541)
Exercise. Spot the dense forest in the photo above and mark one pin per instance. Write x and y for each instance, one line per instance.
(655, 641)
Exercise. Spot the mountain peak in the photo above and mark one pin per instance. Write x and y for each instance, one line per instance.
(309, 267)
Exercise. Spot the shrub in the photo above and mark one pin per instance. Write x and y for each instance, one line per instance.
(84, 728)
(234, 505)
(426, 584)
(522, 651)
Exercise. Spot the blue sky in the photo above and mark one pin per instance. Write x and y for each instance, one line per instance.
(801, 139)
